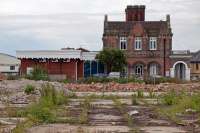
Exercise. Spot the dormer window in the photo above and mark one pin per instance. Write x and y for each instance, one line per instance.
(138, 43)
(123, 43)
(153, 43)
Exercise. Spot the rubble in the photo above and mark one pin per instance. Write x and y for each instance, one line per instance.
(129, 87)
(12, 91)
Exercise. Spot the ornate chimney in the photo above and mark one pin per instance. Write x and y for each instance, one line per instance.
(135, 13)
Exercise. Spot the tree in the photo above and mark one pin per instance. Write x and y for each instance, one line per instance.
(114, 59)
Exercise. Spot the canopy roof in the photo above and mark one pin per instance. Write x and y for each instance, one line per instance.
(56, 54)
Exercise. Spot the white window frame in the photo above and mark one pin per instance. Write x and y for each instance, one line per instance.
(153, 43)
(138, 43)
(12, 68)
(29, 70)
(153, 69)
(123, 43)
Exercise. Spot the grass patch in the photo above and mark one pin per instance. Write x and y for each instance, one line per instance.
(175, 104)
(85, 106)
(38, 73)
(122, 110)
(44, 111)
(29, 89)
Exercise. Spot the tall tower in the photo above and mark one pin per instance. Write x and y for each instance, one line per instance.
(135, 13)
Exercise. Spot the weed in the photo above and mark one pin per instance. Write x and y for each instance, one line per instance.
(107, 80)
(134, 99)
(71, 95)
(170, 98)
(29, 89)
(178, 103)
(140, 93)
(152, 94)
(85, 105)
(122, 110)
(21, 127)
(38, 73)
(44, 111)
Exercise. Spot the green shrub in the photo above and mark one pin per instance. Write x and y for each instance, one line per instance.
(159, 80)
(41, 113)
(170, 98)
(179, 103)
(65, 81)
(44, 110)
(38, 73)
(57, 98)
(29, 89)
(90, 80)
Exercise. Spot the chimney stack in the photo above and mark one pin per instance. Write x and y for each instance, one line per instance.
(168, 20)
(135, 13)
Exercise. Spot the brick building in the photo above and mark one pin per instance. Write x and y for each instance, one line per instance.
(62, 64)
(147, 44)
(195, 66)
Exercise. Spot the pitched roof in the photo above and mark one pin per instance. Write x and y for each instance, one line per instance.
(152, 28)
(196, 57)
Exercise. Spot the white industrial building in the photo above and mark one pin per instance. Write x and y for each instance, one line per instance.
(9, 65)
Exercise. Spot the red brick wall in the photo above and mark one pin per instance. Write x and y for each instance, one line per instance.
(145, 55)
(67, 68)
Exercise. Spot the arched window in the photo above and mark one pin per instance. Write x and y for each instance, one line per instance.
(139, 70)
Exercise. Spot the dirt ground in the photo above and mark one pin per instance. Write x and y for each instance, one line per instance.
(103, 116)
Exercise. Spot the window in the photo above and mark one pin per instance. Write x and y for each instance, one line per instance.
(29, 70)
(123, 43)
(138, 43)
(12, 67)
(153, 43)
(139, 70)
(197, 66)
(153, 69)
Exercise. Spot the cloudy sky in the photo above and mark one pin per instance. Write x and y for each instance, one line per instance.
(54, 24)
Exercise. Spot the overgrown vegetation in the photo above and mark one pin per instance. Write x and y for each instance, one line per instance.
(122, 110)
(44, 111)
(176, 103)
(29, 89)
(159, 80)
(38, 73)
(114, 59)
(107, 80)
(85, 106)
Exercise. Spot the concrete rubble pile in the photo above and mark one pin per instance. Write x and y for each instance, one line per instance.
(15, 88)
(114, 87)
(12, 91)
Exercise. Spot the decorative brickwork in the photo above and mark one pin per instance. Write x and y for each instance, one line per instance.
(136, 26)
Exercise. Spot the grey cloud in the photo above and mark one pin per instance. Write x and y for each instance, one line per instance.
(45, 24)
